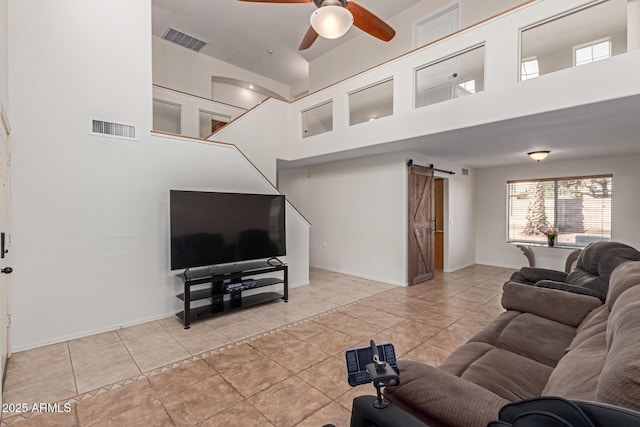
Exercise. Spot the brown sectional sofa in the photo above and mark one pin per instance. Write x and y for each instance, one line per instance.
(548, 342)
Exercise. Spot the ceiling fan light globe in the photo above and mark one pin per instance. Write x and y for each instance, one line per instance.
(331, 22)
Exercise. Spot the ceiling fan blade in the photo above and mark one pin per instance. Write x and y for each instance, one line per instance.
(308, 39)
(370, 23)
(278, 1)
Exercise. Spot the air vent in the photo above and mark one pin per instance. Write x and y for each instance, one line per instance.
(116, 130)
(465, 171)
(183, 40)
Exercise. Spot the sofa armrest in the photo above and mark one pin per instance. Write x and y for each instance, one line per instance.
(433, 394)
(534, 274)
(562, 286)
(553, 304)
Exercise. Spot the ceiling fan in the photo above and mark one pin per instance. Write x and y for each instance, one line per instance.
(333, 18)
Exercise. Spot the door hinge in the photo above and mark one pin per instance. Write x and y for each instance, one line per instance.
(8, 320)
(9, 159)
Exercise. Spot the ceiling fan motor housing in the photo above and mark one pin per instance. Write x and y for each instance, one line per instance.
(321, 3)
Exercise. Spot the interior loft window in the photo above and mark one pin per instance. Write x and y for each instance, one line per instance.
(579, 208)
(565, 41)
(529, 69)
(452, 77)
(317, 120)
(592, 52)
(371, 103)
(167, 116)
(210, 122)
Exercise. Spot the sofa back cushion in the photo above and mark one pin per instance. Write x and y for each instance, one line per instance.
(625, 276)
(596, 263)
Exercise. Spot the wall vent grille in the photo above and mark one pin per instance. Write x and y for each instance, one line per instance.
(116, 130)
(465, 171)
(183, 39)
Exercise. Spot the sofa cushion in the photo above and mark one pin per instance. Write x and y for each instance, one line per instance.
(595, 323)
(626, 276)
(508, 375)
(440, 398)
(619, 382)
(576, 375)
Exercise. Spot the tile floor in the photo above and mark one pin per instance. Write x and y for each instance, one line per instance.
(272, 365)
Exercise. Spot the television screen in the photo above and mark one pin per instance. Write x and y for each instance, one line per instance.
(210, 228)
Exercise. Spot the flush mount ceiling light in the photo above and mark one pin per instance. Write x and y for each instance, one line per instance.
(331, 22)
(539, 155)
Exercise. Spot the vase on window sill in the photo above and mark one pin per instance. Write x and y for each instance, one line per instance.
(551, 241)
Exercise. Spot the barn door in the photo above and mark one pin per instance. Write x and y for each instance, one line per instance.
(421, 224)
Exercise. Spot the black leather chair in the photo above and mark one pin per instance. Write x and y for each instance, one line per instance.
(591, 275)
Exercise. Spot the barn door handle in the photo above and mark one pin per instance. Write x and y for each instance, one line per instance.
(2, 245)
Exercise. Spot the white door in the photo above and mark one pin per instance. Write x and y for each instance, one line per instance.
(436, 82)
(5, 266)
(435, 26)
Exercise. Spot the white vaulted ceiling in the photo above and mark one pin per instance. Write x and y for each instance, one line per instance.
(243, 33)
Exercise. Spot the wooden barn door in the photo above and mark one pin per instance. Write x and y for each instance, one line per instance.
(421, 224)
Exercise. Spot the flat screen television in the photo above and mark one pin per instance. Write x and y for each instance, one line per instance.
(209, 228)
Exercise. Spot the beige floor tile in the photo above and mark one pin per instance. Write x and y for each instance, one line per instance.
(242, 330)
(184, 376)
(333, 342)
(194, 404)
(42, 390)
(417, 329)
(232, 360)
(289, 402)
(306, 330)
(149, 414)
(427, 353)
(28, 367)
(143, 342)
(298, 355)
(328, 376)
(109, 405)
(401, 343)
(197, 339)
(273, 342)
(346, 400)
(330, 414)
(257, 376)
(241, 415)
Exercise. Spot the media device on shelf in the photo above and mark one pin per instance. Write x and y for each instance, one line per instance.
(211, 228)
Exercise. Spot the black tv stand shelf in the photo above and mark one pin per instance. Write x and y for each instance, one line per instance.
(228, 280)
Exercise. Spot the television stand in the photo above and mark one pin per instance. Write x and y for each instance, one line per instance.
(228, 280)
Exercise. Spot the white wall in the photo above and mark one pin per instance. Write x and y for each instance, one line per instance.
(359, 213)
(491, 199)
(365, 51)
(263, 135)
(179, 68)
(90, 229)
(4, 54)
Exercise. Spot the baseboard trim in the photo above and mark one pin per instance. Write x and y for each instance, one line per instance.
(362, 276)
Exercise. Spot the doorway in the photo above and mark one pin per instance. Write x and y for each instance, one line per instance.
(421, 224)
(438, 245)
(5, 290)
(435, 26)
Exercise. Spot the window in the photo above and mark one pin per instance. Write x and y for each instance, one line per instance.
(529, 69)
(578, 207)
(453, 77)
(466, 88)
(317, 120)
(595, 51)
(372, 102)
